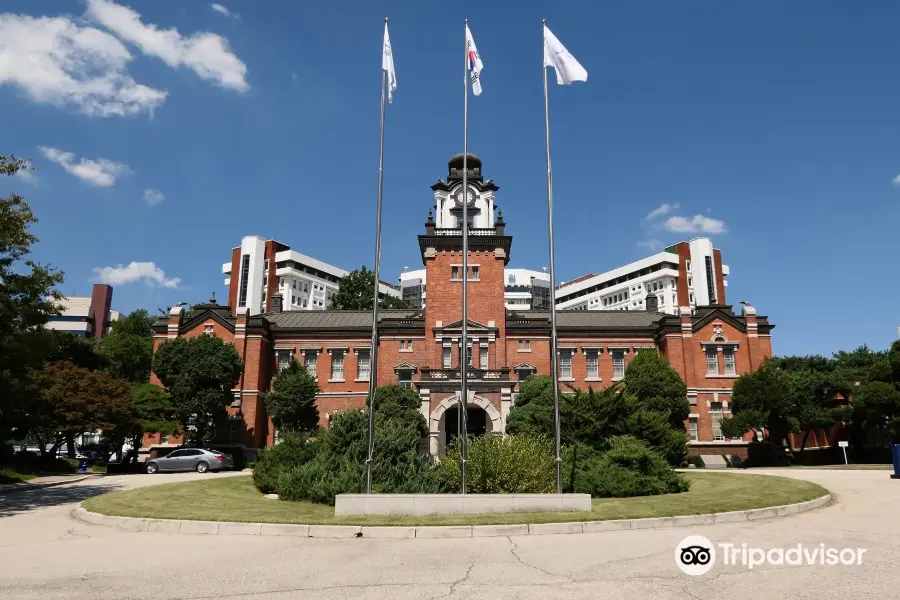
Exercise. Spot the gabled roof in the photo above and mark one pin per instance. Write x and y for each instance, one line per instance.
(589, 319)
(471, 325)
(335, 319)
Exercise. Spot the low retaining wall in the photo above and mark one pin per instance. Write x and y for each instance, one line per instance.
(431, 532)
(418, 505)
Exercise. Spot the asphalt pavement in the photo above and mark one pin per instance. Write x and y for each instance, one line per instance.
(45, 553)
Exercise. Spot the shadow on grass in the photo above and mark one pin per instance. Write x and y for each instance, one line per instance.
(14, 502)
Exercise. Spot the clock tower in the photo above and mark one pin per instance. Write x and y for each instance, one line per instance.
(441, 248)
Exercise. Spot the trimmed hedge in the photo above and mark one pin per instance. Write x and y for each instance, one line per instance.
(628, 468)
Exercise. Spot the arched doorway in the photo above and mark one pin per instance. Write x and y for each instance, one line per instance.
(483, 418)
(477, 423)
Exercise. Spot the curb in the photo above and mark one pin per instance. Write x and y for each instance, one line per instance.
(440, 531)
(24, 487)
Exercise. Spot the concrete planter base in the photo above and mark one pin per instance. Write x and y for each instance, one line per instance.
(456, 504)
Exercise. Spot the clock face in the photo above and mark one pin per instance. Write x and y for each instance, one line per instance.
(457, 196)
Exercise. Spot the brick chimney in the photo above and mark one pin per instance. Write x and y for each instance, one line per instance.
(652, 303)
(277, 303)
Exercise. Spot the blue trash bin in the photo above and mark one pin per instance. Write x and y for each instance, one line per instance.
(895, 455)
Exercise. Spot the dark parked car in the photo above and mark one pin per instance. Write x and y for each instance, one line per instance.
(191, 459)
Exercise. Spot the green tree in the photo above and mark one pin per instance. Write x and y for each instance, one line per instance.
(658, 387)
(355, 293)
(128, 348)
(199, 373)
(28, 296)
(877, 405)
(590, 418)
(153, 413)
(292, 402)
(762, 401)
(71, 400)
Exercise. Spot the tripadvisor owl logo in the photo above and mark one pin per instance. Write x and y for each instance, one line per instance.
(695, 555)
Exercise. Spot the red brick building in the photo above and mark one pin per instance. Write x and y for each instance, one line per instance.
(709, 346)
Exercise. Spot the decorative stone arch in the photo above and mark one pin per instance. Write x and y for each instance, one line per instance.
(437, 426)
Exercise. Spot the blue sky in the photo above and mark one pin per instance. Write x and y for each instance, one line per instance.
(771, 125)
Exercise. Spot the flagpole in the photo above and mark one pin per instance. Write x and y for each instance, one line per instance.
(373, 355)
(554, 358)
(464, 364)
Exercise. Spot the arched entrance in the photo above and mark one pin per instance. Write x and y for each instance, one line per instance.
(483, 418)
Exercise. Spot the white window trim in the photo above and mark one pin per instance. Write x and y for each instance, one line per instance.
(331, 374)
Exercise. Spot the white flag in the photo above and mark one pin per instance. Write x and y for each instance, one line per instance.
(474, 61)
(387, 64)
(555, 55)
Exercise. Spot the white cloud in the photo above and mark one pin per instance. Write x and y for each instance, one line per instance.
(664, 209)
(147, 272)
(695, 224)
(55, 61)
(896, 181)
(207, 54)
(100, 172)
(153, 197)
(223, 11)
(650, 245)
(27, 175)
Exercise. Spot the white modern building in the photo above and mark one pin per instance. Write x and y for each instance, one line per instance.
(86, 316)
(259, 268)
(525, 289)
(684, 274)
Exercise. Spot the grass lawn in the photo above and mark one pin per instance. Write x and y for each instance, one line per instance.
(236, 499)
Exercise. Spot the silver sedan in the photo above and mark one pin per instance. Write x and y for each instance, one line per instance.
(191, 459)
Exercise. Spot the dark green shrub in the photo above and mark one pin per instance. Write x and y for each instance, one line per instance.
(628, 468)
(338, 464)
(294, 449)
(515, 464)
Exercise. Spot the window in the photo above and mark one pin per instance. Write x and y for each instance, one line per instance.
(593, 364)
(283, 358)
(469, 361)
(483, 357)
(691, 298)
(363, 364)
(447, 358)
(687, 266)
(406, 346)
(690, 281)
(712, 362)
(728, 361)
(309, 359)
(208, 329)
(524, 345)
(525, 372)
(692, 429)
(454, 273)
(177, 454)
(337, 364)
(618, 359)
(692, 398)
(565, 364)
(710, 281)
(474, 275)
(294, 284)
(404, 378)
(716, 414)
(245, 273)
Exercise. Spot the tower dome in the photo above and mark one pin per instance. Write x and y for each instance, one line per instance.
(455, 167)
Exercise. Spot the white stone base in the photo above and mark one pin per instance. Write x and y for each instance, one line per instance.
(457, 504)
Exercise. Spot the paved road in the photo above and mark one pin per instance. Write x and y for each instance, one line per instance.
(44, 553)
